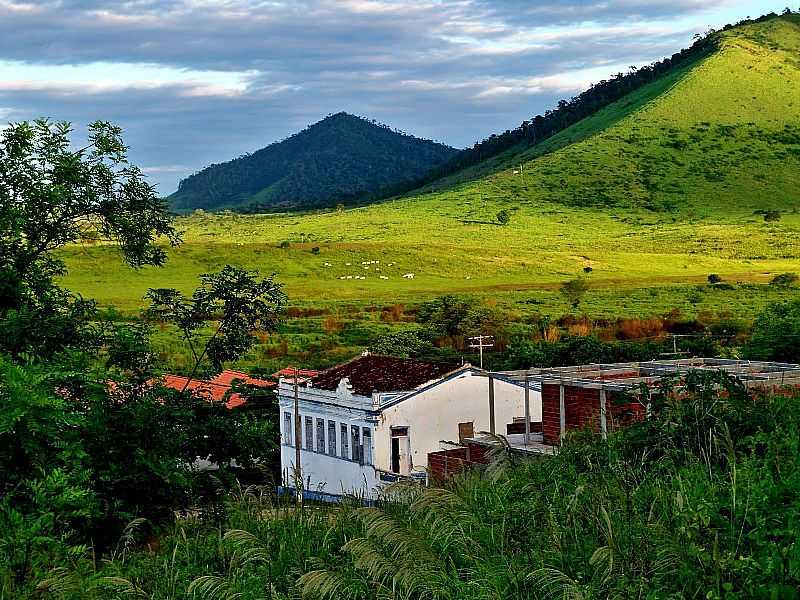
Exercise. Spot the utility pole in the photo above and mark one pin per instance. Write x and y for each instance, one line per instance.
(298, 436)
(481, 342)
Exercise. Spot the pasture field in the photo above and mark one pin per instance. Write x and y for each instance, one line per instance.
(697, 173)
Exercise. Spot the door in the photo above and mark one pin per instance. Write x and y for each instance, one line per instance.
(401, 451)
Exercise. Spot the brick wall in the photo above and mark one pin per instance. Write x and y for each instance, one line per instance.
(446, 463)
(582, 408)
(551, 425)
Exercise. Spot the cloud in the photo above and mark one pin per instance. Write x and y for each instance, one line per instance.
(199, 81)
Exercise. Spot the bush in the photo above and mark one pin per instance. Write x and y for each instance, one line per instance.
(714, 279)
(784, 280)
(404, 344)
(776, 334)
(574, 290)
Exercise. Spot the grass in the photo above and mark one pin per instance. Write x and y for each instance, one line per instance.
(655, 192)
(700, 501)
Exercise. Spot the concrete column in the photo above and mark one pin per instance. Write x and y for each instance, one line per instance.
(603, 425)
(527, 410)
(491, 404)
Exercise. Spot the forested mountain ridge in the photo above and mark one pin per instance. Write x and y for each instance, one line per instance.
(342, 158)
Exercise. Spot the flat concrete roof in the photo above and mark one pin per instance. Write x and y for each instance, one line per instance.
(534, 444)
(625, 376)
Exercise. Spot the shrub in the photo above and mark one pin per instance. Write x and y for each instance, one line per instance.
(574, 290)
(713, 279)
(315, 250)
(503, 217)
(784, 280)
(404, 344)
(776, 333)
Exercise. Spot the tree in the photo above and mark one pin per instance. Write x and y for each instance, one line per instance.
(503, 217)
(236, 301)
(775, 333)
(52, 195)
(714, 279)
(403, 344)
(574, 290)
(784, 280)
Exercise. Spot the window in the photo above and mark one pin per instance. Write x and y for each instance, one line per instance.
(366, 444)
(321, 436)
(356, 438)
(332, 438)
(309, 434)
(287, 428)
(345, 449)
(465, 430)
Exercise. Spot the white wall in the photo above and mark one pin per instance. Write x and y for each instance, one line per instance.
(322, 472)
(434, 414)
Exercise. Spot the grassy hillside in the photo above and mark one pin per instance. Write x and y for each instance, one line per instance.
(660, 188)
(341, 158)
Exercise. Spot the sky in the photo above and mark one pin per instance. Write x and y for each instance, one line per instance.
(195, 82)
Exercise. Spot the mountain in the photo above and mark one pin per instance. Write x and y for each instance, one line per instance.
(339, 159)
(694, 173)
(720, 129)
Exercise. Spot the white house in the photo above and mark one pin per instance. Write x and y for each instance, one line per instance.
(375, 419)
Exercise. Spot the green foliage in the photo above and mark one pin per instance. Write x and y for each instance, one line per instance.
(503, 217)
(784, 280)
(238, 301)
(700, 500)
(454, 318)
(776, 333)
(574, 290)
(52, 196)
(88, 440)
(714, 279)
(404, 344)
(341, 158)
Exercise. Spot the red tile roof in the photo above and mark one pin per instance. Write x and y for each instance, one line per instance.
(228, 377)
(301, 373)
(375, 373)
(217, 389)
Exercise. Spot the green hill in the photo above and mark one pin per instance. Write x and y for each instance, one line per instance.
(341, 158)
(660, 188)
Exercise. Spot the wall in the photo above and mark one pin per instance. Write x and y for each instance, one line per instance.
(582, 411)
(433, 415)
(321, 471)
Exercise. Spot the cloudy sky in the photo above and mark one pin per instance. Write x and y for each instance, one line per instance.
(200, 81)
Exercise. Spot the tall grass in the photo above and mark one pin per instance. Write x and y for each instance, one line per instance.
(701, 501)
